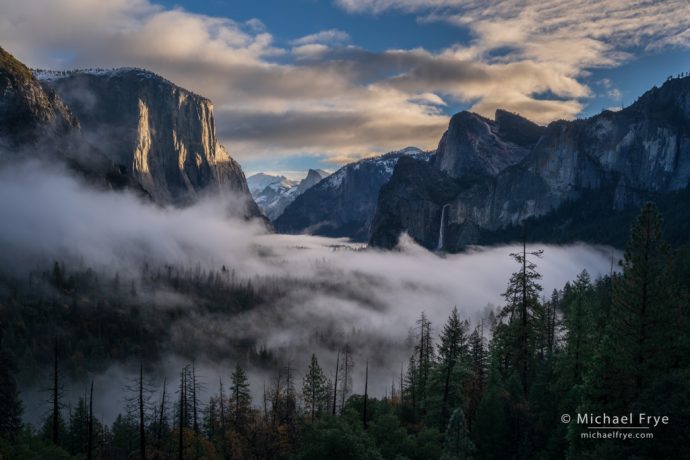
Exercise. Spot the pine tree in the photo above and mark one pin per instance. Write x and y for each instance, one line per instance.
(491, 430)
(579, 326)
(452, 355)
(478, 367)
(240, 398)
(424, 350)
(411, 382)
(636, 347)
(518, 333)
(641, 303)
(314, 389)
(78, 427)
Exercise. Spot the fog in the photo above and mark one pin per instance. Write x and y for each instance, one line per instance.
(338, 292)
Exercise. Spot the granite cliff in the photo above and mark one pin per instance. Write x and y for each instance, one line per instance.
(160, 134)
(122, 128)
(508, 170)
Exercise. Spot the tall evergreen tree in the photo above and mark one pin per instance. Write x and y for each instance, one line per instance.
(425, 352)
(411, 382)
(579, 326)
(641, 301)
(517, 335)
(452, 355)
(240, 397)
(478, 367)
(79, 427)
(491, 430)
(314, 389)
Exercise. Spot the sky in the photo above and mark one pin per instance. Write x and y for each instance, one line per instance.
(318, 83)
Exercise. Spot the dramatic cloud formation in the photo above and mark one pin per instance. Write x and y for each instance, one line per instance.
(322, 94)
(547, 46)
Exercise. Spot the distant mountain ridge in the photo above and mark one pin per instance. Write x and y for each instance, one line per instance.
(343, 204)
(274, 193)
(491, 175)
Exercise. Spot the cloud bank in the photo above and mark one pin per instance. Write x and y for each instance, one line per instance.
(321, 93)
(333, 291)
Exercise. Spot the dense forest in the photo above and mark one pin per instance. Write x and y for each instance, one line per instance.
(495, 390)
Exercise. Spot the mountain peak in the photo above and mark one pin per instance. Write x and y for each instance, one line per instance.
(315, 175)
(476, 145)
(28, 112)
(672, 96)
(12, 68)
(517, 129)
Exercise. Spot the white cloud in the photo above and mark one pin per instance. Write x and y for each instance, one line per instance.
(547, 44)
(330, 36)
(324, 95)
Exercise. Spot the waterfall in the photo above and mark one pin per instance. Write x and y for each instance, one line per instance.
(442, 228)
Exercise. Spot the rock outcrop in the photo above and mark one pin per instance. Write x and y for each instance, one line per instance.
(28, 113)
(162, 135)
(122, 128)
(476, 145)
(509, 170)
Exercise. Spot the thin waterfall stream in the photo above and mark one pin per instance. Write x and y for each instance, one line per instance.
(442, 228)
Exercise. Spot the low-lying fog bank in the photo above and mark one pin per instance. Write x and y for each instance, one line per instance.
(339, 293)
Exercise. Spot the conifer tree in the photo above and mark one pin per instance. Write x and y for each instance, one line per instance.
(478, 368)
(314, 389)
(411, 382)
(641, 303)
(491, 429)
(517, 335)
(240, 397)
(452, 354)
(78, 433)
(579, 326)
(424, 350)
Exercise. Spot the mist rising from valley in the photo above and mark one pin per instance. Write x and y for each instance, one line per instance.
(331, 292)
